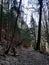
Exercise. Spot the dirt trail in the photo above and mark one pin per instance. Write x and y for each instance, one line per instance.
(25, 57)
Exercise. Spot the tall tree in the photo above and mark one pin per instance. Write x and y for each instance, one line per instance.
(7, 28)
(1, 19)
(47, 23)
(39, 25)
(11, 42)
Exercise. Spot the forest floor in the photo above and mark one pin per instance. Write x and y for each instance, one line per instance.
(25, 57)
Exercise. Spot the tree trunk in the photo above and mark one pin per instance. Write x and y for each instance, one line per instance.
(39, 26)
(8, 25)
(11, 43)
(1, 19)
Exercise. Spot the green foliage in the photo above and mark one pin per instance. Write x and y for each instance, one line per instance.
(25, 34)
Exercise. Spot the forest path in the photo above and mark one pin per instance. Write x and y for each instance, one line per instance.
(25, 57)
